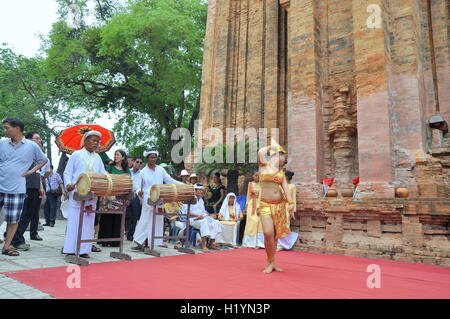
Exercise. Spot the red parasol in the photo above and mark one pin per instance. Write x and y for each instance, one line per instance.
(69, 140)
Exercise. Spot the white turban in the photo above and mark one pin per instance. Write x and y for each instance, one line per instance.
(198, 186)
(184, 173)
(147, 153)
(90, 133)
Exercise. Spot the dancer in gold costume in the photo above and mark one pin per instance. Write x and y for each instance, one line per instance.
(275, 196)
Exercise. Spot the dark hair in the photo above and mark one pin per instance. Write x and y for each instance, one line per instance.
(15, 122)
(29, 135)
(289, 174)
(138, 157)
(51, 167)
(124, 162)
(217, 174)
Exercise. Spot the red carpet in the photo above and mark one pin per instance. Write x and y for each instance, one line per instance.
(236, 274)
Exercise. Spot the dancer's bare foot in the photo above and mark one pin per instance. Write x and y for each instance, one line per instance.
(205, 250)
(257, 247)
(271, 267)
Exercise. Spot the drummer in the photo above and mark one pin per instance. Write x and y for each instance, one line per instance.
(85, 160)
(150, 174)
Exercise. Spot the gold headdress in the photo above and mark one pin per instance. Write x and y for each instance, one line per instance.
(279, 148)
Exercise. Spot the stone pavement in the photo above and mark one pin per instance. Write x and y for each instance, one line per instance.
(47, 253)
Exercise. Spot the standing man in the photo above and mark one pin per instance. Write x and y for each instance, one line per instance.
(134, 210)
(32, 204)
(17, 154)
(54, 188)
(150, 174)
(85, 160)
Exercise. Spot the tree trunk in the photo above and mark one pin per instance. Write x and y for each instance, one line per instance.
(48, 140)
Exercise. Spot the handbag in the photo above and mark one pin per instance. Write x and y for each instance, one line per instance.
(55, 192)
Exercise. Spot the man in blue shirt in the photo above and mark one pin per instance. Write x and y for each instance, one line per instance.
(32, 203)
(17, 155)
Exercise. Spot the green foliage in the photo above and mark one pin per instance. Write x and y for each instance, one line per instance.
(144, 60)
(27, 93)
(241, 158)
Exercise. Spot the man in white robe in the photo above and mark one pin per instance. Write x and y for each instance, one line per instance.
(151, 174)
(85, 160)
(208, 226)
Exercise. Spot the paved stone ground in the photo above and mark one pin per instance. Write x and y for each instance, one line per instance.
(47, 253)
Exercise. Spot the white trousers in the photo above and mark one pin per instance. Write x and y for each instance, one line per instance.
(87, 232)
(208, 227)
(144, 226)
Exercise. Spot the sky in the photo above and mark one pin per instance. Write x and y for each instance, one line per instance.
(21, 22)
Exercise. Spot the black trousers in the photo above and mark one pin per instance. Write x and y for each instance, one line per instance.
(134, 211)
(242, 229)
(109, 227)
(30, 216)
(50, 207)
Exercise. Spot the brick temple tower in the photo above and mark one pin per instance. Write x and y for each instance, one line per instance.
(357, 88)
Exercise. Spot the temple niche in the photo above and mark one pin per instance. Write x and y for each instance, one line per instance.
(357, 88)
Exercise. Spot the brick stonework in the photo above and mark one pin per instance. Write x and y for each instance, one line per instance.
(351, 85)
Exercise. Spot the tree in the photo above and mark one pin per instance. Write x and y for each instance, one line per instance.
(27, 93)
(231, 167)
(144, 60)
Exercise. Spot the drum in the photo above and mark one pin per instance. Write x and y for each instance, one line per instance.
(104, 184)
(172, 192)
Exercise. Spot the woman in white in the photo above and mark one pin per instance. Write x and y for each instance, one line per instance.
(230, 215)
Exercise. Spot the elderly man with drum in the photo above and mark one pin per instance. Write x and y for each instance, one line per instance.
(85, 160)
(151, 174)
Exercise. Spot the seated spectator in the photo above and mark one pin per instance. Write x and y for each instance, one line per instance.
(193, 179)
(230, 215)
(208, 226)
(175, 222)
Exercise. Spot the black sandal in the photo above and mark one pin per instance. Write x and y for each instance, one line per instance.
(95, 249)
(138, 248)
(10, 252)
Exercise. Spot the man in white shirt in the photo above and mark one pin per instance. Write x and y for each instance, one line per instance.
(85, 160)
(151, 174)
(208, 226)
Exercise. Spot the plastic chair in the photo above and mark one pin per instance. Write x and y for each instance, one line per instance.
(242, 201)
(192, 236)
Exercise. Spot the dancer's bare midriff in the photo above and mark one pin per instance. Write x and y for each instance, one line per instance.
(271, 192)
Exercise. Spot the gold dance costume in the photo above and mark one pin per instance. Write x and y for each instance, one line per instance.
(276, 210)
(253, 224)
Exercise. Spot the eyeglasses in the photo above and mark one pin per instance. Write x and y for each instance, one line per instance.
(138, 162)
